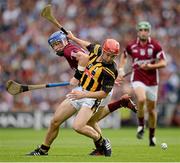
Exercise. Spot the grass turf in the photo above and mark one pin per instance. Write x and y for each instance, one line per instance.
(72, 147)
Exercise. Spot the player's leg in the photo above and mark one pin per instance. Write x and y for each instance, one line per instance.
(80, 126)
(93, 122)
(63, 112)
(124, 101)
(103, 111)
(140, 92)
(80, 123)
(151, 108)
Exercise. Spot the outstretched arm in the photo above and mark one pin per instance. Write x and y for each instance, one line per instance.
(123, 60)
(121, 73)
(80, 42)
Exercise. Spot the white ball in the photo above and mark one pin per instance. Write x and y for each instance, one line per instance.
(164, 146)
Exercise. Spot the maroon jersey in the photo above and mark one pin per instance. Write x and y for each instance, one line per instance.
(148, 53)
(70, 51)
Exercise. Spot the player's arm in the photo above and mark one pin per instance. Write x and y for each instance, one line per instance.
(80, 42)
(150, 66)
(160, 63)
(121, 73)
(161, 59)
(107, 86)
(122, 63)
(82, 59)
(83, 94)
(109, 77)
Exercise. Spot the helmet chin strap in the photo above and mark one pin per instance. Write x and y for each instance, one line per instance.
(105, 62)
(60, 53)
(143, 40)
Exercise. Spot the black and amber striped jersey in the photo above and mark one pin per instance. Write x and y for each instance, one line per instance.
(98, 75)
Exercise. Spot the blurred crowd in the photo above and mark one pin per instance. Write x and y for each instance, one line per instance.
(26, 57)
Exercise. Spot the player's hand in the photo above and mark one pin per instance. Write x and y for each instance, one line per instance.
(120, 77)
(75, 95)
(119, 80)
(70, 35)
(147, 66)
(74, 82)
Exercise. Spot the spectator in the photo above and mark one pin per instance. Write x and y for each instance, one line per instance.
(23, 36)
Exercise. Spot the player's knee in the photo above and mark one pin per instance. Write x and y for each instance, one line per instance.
(142, 100)
(91, 122)
(77, 127)
(55, 123)
(151, 112)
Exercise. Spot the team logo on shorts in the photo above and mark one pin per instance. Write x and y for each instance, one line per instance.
(150, 51)
(142, 52)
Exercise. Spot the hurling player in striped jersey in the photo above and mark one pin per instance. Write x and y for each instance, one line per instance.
(76, 59)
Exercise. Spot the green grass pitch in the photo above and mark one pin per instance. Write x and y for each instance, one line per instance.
(73, 147)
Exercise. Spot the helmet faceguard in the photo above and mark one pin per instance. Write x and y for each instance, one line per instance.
(111, 46)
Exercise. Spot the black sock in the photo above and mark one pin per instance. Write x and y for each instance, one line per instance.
(98, 143)
(141, 121)
(151, 132)
(44, 148)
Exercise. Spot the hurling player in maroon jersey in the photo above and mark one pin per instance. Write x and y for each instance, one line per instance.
(147, 57)
(75, 56)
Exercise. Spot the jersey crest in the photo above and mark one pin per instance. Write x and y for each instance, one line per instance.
(150, 51)
(142, 52)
